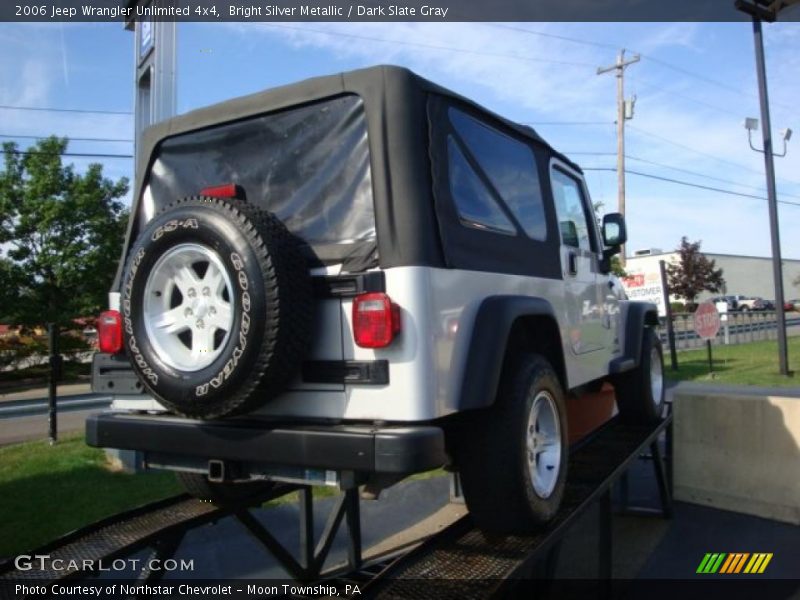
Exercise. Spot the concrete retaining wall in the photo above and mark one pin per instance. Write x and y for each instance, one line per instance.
(738, 449)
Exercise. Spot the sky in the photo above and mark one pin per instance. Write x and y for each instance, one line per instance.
(694, 85)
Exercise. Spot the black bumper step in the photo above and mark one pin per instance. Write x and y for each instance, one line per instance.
(360, 448)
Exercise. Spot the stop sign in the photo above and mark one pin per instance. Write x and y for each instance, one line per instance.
(706, 320)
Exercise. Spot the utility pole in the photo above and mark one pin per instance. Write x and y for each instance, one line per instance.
(624, 112)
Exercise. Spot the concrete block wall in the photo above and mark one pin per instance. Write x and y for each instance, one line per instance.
(738, 449)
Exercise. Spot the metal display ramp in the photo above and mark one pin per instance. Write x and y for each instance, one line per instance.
(457, 562)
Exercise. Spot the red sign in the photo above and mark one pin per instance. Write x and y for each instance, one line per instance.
(706, 320)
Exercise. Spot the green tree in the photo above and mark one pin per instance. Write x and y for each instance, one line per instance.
(60, 235)
(693, 272)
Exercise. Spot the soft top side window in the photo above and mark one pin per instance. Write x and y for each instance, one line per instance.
(508, 166)
(476, 205)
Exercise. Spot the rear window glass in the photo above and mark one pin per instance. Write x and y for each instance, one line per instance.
(308, 165)
(510, 165)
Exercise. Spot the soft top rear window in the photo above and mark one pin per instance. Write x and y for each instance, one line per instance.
(308, 165)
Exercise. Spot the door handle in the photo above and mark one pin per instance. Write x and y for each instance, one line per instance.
(572, 259)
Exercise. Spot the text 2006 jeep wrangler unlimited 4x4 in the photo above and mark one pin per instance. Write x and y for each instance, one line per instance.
(365, 274)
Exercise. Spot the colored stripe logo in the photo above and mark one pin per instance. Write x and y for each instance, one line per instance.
(734, 563)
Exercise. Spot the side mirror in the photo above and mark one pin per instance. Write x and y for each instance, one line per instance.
(614, 232)
(614, 235)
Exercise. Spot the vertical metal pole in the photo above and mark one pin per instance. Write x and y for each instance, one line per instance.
(456, 493)
(673, 355)
(769, 164)
(353, 517)
(605, 541)
(52, 339)
(710, 361)
(664, 492)
(306, 516)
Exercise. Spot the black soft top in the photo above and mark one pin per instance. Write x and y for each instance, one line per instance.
(395, 103)
(373, 84)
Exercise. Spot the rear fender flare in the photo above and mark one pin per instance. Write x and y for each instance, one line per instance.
(494, 321)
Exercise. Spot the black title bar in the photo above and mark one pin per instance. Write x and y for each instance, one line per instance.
(376, 10)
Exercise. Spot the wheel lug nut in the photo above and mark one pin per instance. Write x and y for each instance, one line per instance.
(187, 312)
(206, 291)
(192, 293)
(200, 323)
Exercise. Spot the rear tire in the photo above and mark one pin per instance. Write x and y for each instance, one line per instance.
(225, 493)
(513, 457)
(640, 392)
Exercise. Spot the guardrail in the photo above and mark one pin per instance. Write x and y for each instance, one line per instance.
(738, 327)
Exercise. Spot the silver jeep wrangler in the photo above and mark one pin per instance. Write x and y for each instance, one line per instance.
(364, 276)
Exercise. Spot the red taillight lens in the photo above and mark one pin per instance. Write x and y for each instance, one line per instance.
(109, 332)
(229, 190)
(376, 320)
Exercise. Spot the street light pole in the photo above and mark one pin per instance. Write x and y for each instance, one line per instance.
(772, 198)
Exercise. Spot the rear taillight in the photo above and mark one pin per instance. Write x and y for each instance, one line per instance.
(109, 332)
(376, 320)
(229, 190)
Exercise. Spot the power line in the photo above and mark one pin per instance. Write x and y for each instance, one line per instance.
(71, 139)
(683, 96)
(76, 154)
(66, 110)
(689, 73)
(688, 184)
(709, 80)
(701, 153)
(673, 168)
(429, 46)
(553, 36)
(698, 174)
(658, 61)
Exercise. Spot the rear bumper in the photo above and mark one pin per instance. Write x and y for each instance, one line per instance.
(360, 448)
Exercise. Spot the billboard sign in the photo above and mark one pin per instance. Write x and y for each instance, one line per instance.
(645, 287)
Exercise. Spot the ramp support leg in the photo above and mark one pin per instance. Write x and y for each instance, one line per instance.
(353, 517)
(661, 479)
(604, 539)
(306, 518)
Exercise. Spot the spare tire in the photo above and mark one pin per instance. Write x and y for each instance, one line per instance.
(216, 307)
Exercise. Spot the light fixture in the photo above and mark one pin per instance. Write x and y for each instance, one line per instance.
(750, 124)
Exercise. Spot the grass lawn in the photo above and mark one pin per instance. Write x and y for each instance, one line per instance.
(46, 491)
(755, 363)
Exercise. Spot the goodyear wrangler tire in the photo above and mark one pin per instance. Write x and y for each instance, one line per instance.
(216, 307)
(513, 456)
